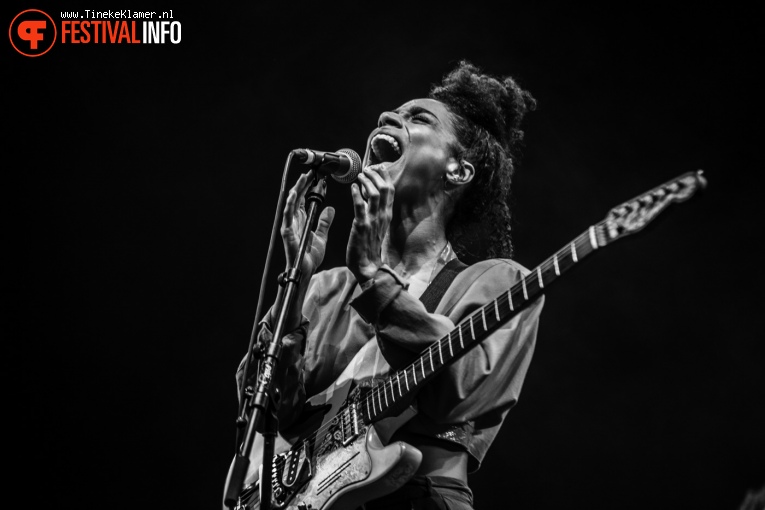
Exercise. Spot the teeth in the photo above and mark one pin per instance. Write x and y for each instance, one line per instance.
(386, 138)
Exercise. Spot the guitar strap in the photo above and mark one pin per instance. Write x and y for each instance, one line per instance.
(454, 434)
(437, 288)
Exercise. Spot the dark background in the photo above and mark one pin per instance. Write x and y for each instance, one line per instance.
(141, 185)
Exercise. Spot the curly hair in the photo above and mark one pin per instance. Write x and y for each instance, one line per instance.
(488, 112)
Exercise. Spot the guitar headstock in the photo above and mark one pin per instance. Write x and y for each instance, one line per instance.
(633, 215)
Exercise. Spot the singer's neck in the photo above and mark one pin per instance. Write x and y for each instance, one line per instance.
(415, 239)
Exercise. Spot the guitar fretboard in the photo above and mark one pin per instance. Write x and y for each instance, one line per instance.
(478, 325)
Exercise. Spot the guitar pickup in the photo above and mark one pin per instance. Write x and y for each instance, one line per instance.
(297, 465)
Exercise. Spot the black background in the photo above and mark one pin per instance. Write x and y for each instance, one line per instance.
(141, 185)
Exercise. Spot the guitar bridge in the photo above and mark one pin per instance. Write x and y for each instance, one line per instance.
(350, 425)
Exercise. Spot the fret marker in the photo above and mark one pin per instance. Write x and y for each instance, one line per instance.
(539, 275)
(573, 252)
(392, 393)
(461, 344)
(555, 263)
(414, 375)
(398, 380)
(483, 317)
(496, 309)
(379, 400)
(430, 353)
(422, 365)
(472, 332)
(385, 394)
(510, 299)
(440, 354)
(593, 239)
(449, 337)
(406, 380)
(525, 294)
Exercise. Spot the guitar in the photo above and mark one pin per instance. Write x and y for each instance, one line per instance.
(341, 461)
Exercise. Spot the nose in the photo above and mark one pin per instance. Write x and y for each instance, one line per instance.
(390, 119)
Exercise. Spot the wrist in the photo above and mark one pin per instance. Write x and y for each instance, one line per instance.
(366, 273)
(367, 280)
(381, 291)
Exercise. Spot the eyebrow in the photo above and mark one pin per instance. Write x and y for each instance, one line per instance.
(414, 110)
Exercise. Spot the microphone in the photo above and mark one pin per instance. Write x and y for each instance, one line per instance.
(344, 165)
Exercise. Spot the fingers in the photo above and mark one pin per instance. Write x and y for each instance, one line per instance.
(376, 192)
(325, 221)
(289, 209)
(371, 191)
(383, 183)
(296, 198)
(359, 206)
(302, 185)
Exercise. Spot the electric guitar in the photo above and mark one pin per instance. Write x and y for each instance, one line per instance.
(341, 460)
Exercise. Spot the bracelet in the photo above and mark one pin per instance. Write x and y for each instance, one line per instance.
(367, 284)
(386, 269)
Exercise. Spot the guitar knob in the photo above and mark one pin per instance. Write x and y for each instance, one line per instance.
(303, 506)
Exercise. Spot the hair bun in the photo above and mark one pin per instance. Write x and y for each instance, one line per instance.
(496, 105)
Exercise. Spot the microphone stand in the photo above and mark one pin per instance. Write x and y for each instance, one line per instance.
(262, 419)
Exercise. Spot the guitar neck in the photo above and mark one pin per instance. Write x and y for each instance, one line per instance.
(478, 325)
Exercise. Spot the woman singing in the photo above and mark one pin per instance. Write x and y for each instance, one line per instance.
(437, 173)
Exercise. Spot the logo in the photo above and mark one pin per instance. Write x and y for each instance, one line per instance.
(32, 33)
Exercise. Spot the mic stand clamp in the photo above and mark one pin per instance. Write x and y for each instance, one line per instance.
(268, 360)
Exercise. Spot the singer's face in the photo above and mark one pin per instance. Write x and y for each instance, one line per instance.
(414, 143)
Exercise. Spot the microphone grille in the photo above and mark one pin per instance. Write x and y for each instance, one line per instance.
(353, 172)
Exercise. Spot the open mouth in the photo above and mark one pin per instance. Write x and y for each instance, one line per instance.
(385, 149)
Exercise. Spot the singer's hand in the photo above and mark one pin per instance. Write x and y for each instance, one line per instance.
(370, 223)
(293, 221)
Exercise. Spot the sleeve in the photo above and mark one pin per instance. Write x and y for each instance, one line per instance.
(489, 376)
(289, 373)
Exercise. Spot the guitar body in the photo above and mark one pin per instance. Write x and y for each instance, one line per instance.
(335, 468)
(346, 478)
